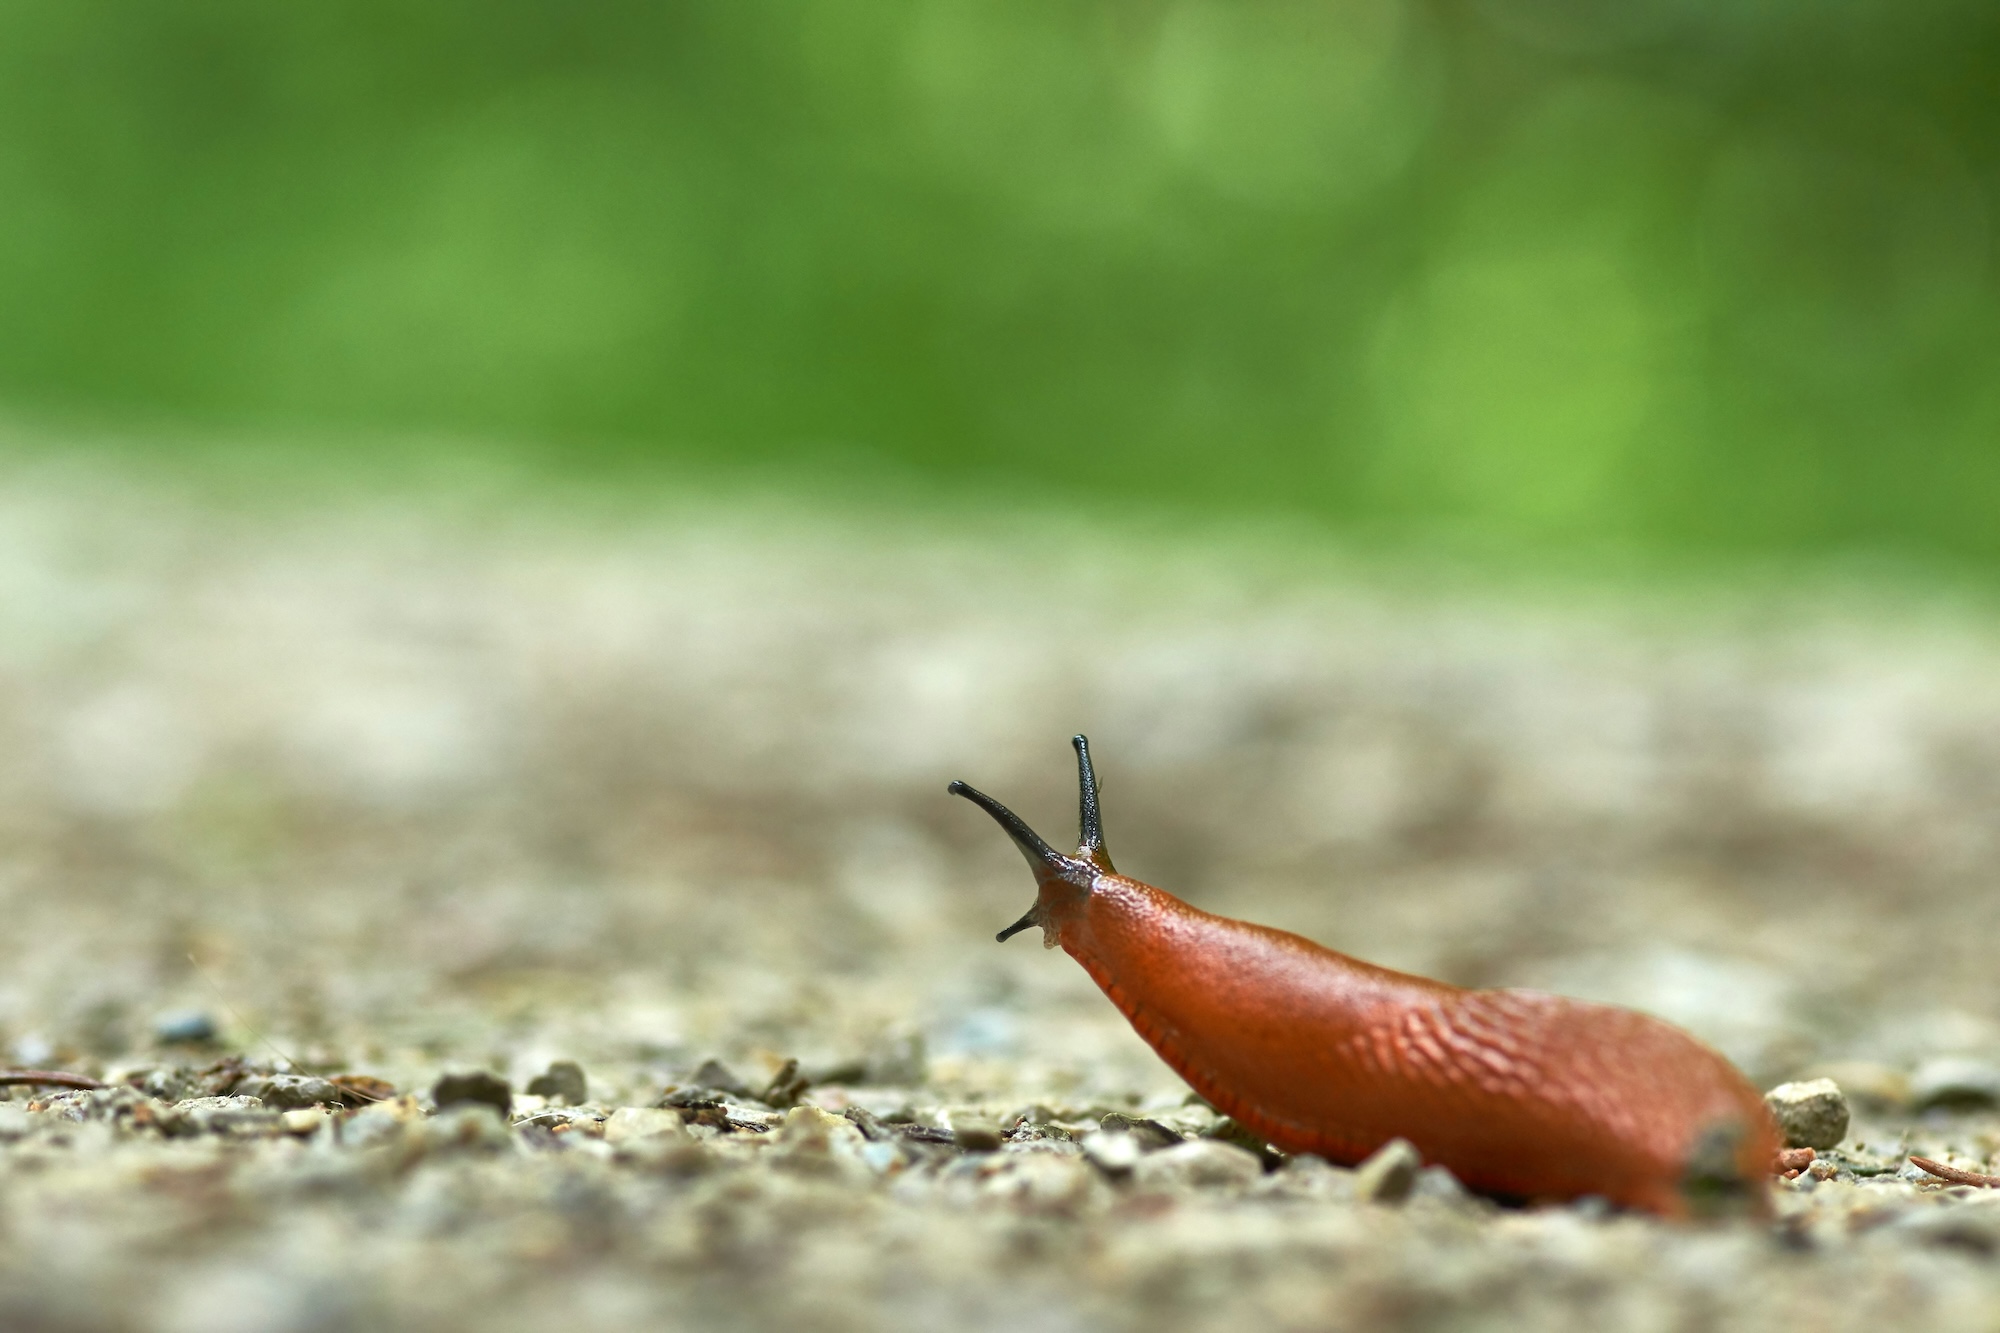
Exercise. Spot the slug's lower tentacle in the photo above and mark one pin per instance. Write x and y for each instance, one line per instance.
(1031, 917)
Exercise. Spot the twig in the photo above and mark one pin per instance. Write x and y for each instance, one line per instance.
(1954, 1175)
(50, 1078)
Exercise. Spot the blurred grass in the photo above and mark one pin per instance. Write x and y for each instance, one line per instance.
(1664, 274)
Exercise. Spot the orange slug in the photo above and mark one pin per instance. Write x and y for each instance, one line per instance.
(1522, 1095)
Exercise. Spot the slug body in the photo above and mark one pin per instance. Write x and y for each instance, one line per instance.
(1520, 1094)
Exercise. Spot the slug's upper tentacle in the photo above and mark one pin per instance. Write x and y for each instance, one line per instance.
(1090, 823)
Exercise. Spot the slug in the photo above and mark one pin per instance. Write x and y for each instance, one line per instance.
(1524, 1096)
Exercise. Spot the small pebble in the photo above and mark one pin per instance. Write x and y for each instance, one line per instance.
(1150, 1134)
(719, 1077)
(1972, 1230)
(1043, 1183)
(162, 1085)
(813, 1123)
(362, 1089)
(1034, 1115)
(190, 1026)
(1229, 1131)
(217, 1115)
(14, 1123)
(1438, 1183)
(628, 1123)
(786, 1086)
(468, 1124)
(477, 1087)
(379, 1122)
(1867, 1083)
(1812, 1114)
(975, 1133)
(1113, 1153)
(811, 1127)
(1955, 1083)
(1197, 1164)
(1390, 1174)
(282, 1092)
(302, 1122)
(882, 1158)
(34, 1050)
(817, 1143)
(1306, 1176)
(563, 1081)
(1188, 1120)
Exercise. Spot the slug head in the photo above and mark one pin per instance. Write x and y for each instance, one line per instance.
(1063, 881)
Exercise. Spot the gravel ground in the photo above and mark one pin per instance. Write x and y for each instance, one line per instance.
(400, 790)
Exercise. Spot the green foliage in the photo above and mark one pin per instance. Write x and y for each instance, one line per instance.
(1674, 272)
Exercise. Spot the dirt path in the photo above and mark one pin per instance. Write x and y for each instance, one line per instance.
(400, 791)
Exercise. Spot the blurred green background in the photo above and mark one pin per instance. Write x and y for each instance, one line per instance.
(1678, 274)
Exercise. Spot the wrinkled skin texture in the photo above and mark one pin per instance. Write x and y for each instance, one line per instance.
(1518, 1093)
